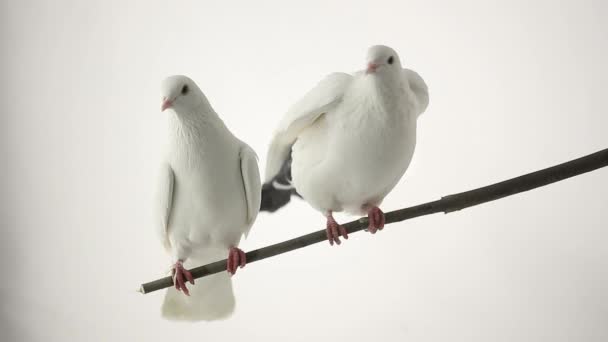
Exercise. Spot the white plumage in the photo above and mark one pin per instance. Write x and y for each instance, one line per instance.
(209, 196)
(352, 137)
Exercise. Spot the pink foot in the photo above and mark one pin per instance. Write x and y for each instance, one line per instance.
(376, 219)
(180, 275)
(334, 230)
(236, 258)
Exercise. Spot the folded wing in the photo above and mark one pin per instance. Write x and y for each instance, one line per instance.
(164, 202)
(318, 101)
(419, 89)
(251, 182)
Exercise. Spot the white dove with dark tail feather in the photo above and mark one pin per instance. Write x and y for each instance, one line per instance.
(347, 143)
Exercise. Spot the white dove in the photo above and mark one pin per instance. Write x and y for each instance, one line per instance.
(209, 197)
(348, 141)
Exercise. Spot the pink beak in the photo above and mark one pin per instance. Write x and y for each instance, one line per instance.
(166, 104)
(371, 68)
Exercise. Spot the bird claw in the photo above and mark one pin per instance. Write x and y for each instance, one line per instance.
(180, 275)
(376, 220)
(236, 258)
(334, 231)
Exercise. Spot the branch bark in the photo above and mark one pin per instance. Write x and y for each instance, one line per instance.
(446, 205)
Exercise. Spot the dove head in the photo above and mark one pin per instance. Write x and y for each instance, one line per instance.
(181, 94)
(382, 59)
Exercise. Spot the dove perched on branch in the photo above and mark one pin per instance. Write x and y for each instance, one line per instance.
(209, 196)
(347, 143)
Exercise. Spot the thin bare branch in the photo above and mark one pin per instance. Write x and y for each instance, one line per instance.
(446, 204)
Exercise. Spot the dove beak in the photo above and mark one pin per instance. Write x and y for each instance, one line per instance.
(166, 104)
(371, 68)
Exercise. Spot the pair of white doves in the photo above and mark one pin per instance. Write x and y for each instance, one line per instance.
(343, 146)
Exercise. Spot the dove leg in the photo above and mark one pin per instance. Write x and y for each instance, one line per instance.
(376, 219)
(180, 275)
(334, 230)
(236, 258)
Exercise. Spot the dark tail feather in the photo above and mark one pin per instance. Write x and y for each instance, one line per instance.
(277, 192)
(273, 198)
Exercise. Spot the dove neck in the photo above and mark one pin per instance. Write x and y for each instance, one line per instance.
(386, 90)
(193, 126)
(385, 82)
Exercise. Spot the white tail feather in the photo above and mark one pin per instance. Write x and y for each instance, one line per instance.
(280, 186)
(211, 298)
(278, 151)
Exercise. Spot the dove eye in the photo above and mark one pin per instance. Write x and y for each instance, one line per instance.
(185, 90)
(390, 60)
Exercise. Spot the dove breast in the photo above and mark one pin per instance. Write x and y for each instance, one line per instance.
(209, 204)
(357, 152)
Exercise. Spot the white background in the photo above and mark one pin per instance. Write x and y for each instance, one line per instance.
(515, 86)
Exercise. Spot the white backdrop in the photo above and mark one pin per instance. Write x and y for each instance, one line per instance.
(515, 86)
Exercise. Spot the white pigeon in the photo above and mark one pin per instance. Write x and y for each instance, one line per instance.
(209, 197)
(348, 141)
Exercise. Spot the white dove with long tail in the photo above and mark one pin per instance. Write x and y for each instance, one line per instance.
(347, 143)
(209, 196)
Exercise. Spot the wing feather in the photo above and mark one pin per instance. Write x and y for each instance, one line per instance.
(322, 98)
(165, 202)
(419, 88)
(251, 182)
